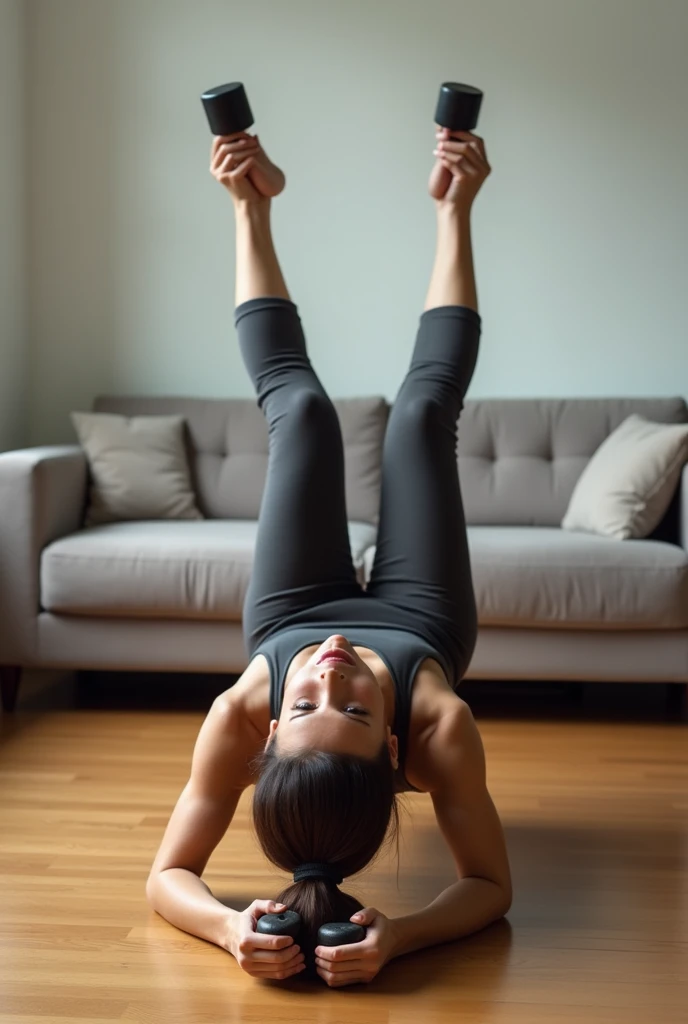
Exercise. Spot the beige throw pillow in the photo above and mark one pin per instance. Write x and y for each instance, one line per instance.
(628, 484)
(138, 467)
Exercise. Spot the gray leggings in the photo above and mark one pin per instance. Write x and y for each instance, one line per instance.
(302, 556)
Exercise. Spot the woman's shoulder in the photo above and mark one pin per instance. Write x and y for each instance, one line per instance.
(436, 710)
(248, 700)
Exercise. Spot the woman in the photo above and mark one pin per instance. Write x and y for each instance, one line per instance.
(349, 696)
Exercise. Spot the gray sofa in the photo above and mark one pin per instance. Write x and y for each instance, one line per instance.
(168, 595)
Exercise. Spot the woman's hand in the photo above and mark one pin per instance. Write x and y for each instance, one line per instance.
(241, 164)
(460, 170)
(359, 961)
(262, 956)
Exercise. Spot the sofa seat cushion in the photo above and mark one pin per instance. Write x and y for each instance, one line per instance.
(546, 576)
(162, 569)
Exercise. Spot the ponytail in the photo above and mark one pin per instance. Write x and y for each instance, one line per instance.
(315, 806)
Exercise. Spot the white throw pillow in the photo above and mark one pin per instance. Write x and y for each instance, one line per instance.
(138, 467)
(628, 484)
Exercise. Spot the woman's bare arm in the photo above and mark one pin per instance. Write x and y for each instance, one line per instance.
(470, 824)
(200, 819)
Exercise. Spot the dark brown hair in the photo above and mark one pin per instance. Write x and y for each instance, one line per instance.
(315, 806)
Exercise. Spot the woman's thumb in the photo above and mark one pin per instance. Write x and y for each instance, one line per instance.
(365, 916)
(267, 907)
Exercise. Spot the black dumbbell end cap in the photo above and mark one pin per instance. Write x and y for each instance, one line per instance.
(286, 923)
(458, 106)
(340, 933)
(227, 109)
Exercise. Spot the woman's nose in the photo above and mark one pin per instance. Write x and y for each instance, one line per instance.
(329, 667)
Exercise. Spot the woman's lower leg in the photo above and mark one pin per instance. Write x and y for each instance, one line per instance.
(258, 273)
(452, 282)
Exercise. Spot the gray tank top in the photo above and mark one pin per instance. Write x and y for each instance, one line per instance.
(400, 648)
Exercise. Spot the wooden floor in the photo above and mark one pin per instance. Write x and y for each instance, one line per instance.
(596, 815)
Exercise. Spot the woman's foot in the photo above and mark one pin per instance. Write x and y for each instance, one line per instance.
(460, 169)
(241, 164)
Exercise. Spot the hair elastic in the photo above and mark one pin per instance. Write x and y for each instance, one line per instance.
(326, 871)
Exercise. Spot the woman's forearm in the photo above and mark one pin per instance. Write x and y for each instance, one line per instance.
(184, 900)
(452, 282)
(463, 908)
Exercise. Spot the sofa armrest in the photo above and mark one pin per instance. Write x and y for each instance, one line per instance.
(683, 509)
(42, 497)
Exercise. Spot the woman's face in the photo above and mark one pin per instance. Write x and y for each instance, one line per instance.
(334, 703)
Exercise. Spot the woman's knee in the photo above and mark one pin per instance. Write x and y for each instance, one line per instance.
(311, 404)
(418, 413)
(312, 410)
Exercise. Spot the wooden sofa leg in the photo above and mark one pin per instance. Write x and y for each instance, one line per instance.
(10, 677)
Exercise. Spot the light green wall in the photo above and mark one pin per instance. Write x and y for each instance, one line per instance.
(579, 233)
(13, 383)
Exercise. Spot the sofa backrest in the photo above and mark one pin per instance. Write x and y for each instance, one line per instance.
(227, 443)
(519, 458)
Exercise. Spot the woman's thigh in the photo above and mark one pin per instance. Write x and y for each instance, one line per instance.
(422, 559)
(302, 554)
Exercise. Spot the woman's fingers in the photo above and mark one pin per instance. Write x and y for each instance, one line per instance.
(261, 940)
(447, 133)
(235, 149)
(270, 967)
(227, 143)
(336, 980)
(454, 150)
(464, 163)
(477, 141)
(341, 966)
(229, 140)
(275, 973)
(235, 173)
(286, 957)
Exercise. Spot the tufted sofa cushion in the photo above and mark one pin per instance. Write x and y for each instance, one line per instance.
(228, 449)
(519, 459)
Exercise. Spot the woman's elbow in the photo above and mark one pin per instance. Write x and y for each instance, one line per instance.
(506, 901)
(151, 890)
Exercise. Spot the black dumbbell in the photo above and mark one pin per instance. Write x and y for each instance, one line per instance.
(340, 933)
(337, 933)
(286, 923)
(227, 109)
(458, 107)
